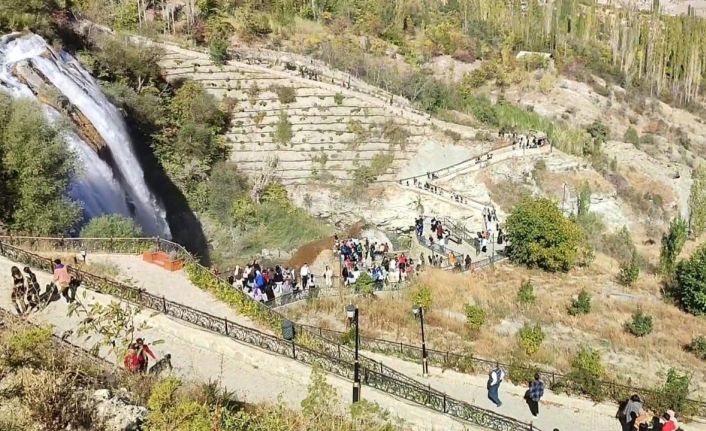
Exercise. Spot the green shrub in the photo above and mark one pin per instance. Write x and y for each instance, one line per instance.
(365, 284)
(26, 347)
(111, 226)
(475, 317)
(530, 338)
(338, 98)
(283, 130)
(640, 325)
(541, 236)
(520, 373)
(422, 297)
(698, 347)
(526, 293)
(629, 271)
(218, 51)
(672, 243)
(631, 136)
(673, 394)
(286, 95)
(169, 410)
(598, 131)
(690, 287)
(586, 374)
(581, 305)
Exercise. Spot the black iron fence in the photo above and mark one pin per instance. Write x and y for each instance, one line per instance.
(332, 356)
(467, 362)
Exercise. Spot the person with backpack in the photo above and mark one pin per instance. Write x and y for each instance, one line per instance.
(534, 394)
(495, 378)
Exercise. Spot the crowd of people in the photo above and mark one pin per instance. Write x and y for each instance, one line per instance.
(266, 284)
(361, 256)
(634, 417)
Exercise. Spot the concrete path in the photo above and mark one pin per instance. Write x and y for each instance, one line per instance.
(557, 411)
(254, 374)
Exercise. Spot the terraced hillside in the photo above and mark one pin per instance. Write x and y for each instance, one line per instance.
(315, 123)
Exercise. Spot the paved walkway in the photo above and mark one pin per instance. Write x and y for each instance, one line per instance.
(253, 374)
(565, 413)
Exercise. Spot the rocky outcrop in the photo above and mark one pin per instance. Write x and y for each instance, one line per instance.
(115, 412)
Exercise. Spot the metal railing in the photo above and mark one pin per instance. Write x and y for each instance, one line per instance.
(467, 362)
(332, 356)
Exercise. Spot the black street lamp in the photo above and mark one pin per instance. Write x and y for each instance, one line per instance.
(352, 313)
(418, 310)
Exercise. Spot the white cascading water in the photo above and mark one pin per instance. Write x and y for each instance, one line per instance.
(101, 188)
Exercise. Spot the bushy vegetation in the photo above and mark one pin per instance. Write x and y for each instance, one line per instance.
(526, 295)
(35, 168)
(698, 347)
(365, 284)
(690, 283)
(283, 129)
(581, 304)
(672, 243)
(629, 271)
(286, 95)
(672, 395)
(111, 226)
(520, 373)
(587, 373)
(697, 200)
(475, 317)
(640, 325)
(542, 237)
(422, 296)
(530, 338)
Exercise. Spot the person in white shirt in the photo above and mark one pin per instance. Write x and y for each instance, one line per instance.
(495, 377)
(328, 276)
(304, 272)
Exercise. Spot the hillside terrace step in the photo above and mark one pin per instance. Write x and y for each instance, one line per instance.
(313, 148)
(307, 164)
(245, 110)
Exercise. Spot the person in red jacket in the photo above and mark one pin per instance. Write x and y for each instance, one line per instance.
(131, 361)
(670, 421)
(143, 351)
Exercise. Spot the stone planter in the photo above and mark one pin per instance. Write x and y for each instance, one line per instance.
(162, 259)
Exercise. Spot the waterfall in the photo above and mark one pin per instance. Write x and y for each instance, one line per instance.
(101, 187)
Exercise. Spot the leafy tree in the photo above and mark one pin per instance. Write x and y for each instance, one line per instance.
(218, 51)
(697, 200)
(225, 186)
(422, 297)
(672, 244)
(698, 347)
(475, 317)
(586, 374)
(35, 170)
(541, 236)
(111, 226)
(119, 59)
(365, 284)
(629, 271)
(530, 338)
(581, 305)
(691, 282)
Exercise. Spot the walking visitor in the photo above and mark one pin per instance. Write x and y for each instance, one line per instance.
(18, 291)
(62, 279)
(495, 378)
(534, 394)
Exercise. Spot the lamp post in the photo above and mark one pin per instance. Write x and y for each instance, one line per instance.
(352, 313)
(418, 310)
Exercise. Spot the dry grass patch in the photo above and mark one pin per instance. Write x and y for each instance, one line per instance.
(644, 359)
